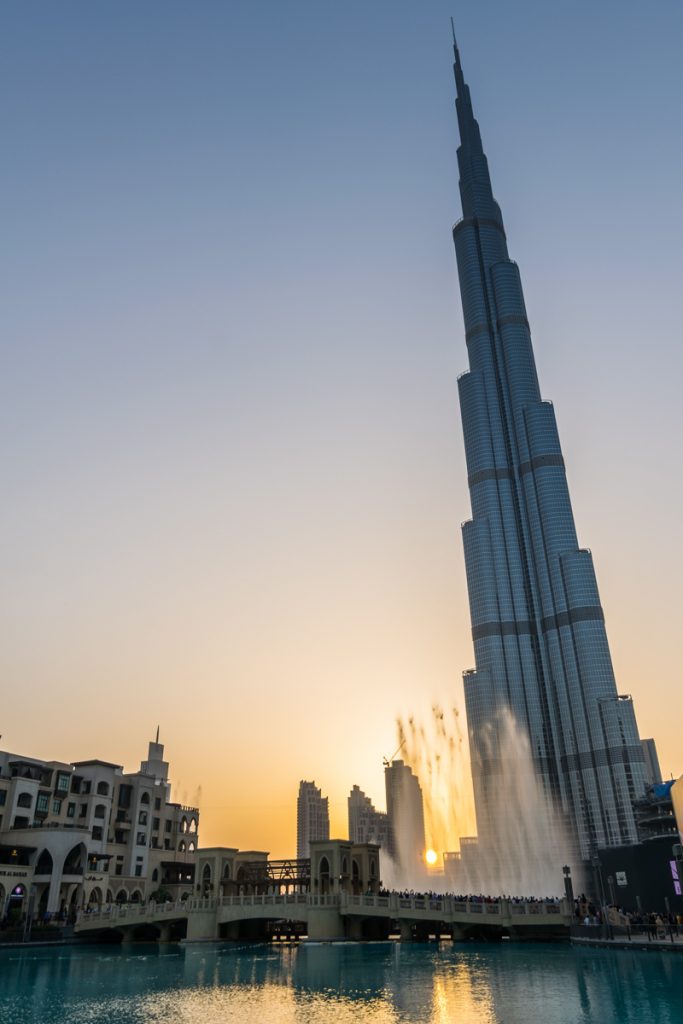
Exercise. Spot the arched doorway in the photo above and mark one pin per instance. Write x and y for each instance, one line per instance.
(95, 897)
(16, 903)
(355, 877)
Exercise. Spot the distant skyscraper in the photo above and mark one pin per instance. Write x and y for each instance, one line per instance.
(367, 825)
(538, 628)
(653, 773)
(312, 818)
(405, 813)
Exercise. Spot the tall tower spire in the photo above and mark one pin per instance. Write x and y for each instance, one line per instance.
(538, 629)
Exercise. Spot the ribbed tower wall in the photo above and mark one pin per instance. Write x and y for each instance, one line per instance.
(538, 630)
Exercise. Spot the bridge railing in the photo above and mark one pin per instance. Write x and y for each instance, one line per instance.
(130, 911)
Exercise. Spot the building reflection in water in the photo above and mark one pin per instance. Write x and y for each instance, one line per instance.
(380, 983)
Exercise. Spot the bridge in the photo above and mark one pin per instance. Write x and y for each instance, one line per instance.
(331, 917)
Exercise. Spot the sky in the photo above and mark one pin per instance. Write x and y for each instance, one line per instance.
(231, 332)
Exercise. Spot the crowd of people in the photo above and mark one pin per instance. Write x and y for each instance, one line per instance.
(410, 894)
(655, 924)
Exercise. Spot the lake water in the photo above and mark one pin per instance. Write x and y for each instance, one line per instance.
(383, 983)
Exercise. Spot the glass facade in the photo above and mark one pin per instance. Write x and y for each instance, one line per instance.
(538, 628)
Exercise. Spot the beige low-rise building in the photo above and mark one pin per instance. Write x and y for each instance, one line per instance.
(87, 833)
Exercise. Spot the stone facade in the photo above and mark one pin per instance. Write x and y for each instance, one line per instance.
(88, 833)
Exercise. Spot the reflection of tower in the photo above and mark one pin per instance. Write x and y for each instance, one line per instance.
(312, 818)
(405, 813)
(538, 627)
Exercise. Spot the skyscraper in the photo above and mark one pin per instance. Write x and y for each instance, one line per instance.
(538, 628)
(405, 813)
(367, 825)
(312, 818)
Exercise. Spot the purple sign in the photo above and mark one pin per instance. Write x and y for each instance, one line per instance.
(674, 874)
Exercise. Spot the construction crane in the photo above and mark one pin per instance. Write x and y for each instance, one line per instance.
(387, 762)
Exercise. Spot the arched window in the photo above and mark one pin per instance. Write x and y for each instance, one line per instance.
(122, 896)
(183, 825)
(193, 824)
(206, 878)
(144, 799)
(226, 871)
(345, 866)
(181, 846)
(100, 811)
(102, 789)
(24, 800)
(324, 872)
(136, 897)
(191, 847)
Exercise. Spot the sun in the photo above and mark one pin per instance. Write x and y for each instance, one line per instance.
(431, 856)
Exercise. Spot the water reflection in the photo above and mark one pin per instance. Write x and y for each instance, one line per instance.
(379, 983)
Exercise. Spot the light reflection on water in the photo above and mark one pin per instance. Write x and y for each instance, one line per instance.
(336, 984)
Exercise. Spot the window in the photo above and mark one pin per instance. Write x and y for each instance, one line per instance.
(125, 795)
(71, 810)
(141, 839)
(83, 811)
(144, 799)
(167, 826)
(97, 832)
(155, 824)
(3, 797)
(118, 870)
(102, 789)
(138, 870)
(157, 804)
(63, 780)
(25, 800)
(142, 818)
(56, 806)
(42, 803)
(100, 811)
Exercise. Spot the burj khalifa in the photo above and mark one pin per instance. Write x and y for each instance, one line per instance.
(538, 628)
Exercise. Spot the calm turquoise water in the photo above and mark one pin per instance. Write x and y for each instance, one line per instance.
(370, 984)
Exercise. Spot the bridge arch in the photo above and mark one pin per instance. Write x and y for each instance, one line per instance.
(122, 896)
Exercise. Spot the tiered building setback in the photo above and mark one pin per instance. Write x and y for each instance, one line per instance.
(538, 627)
